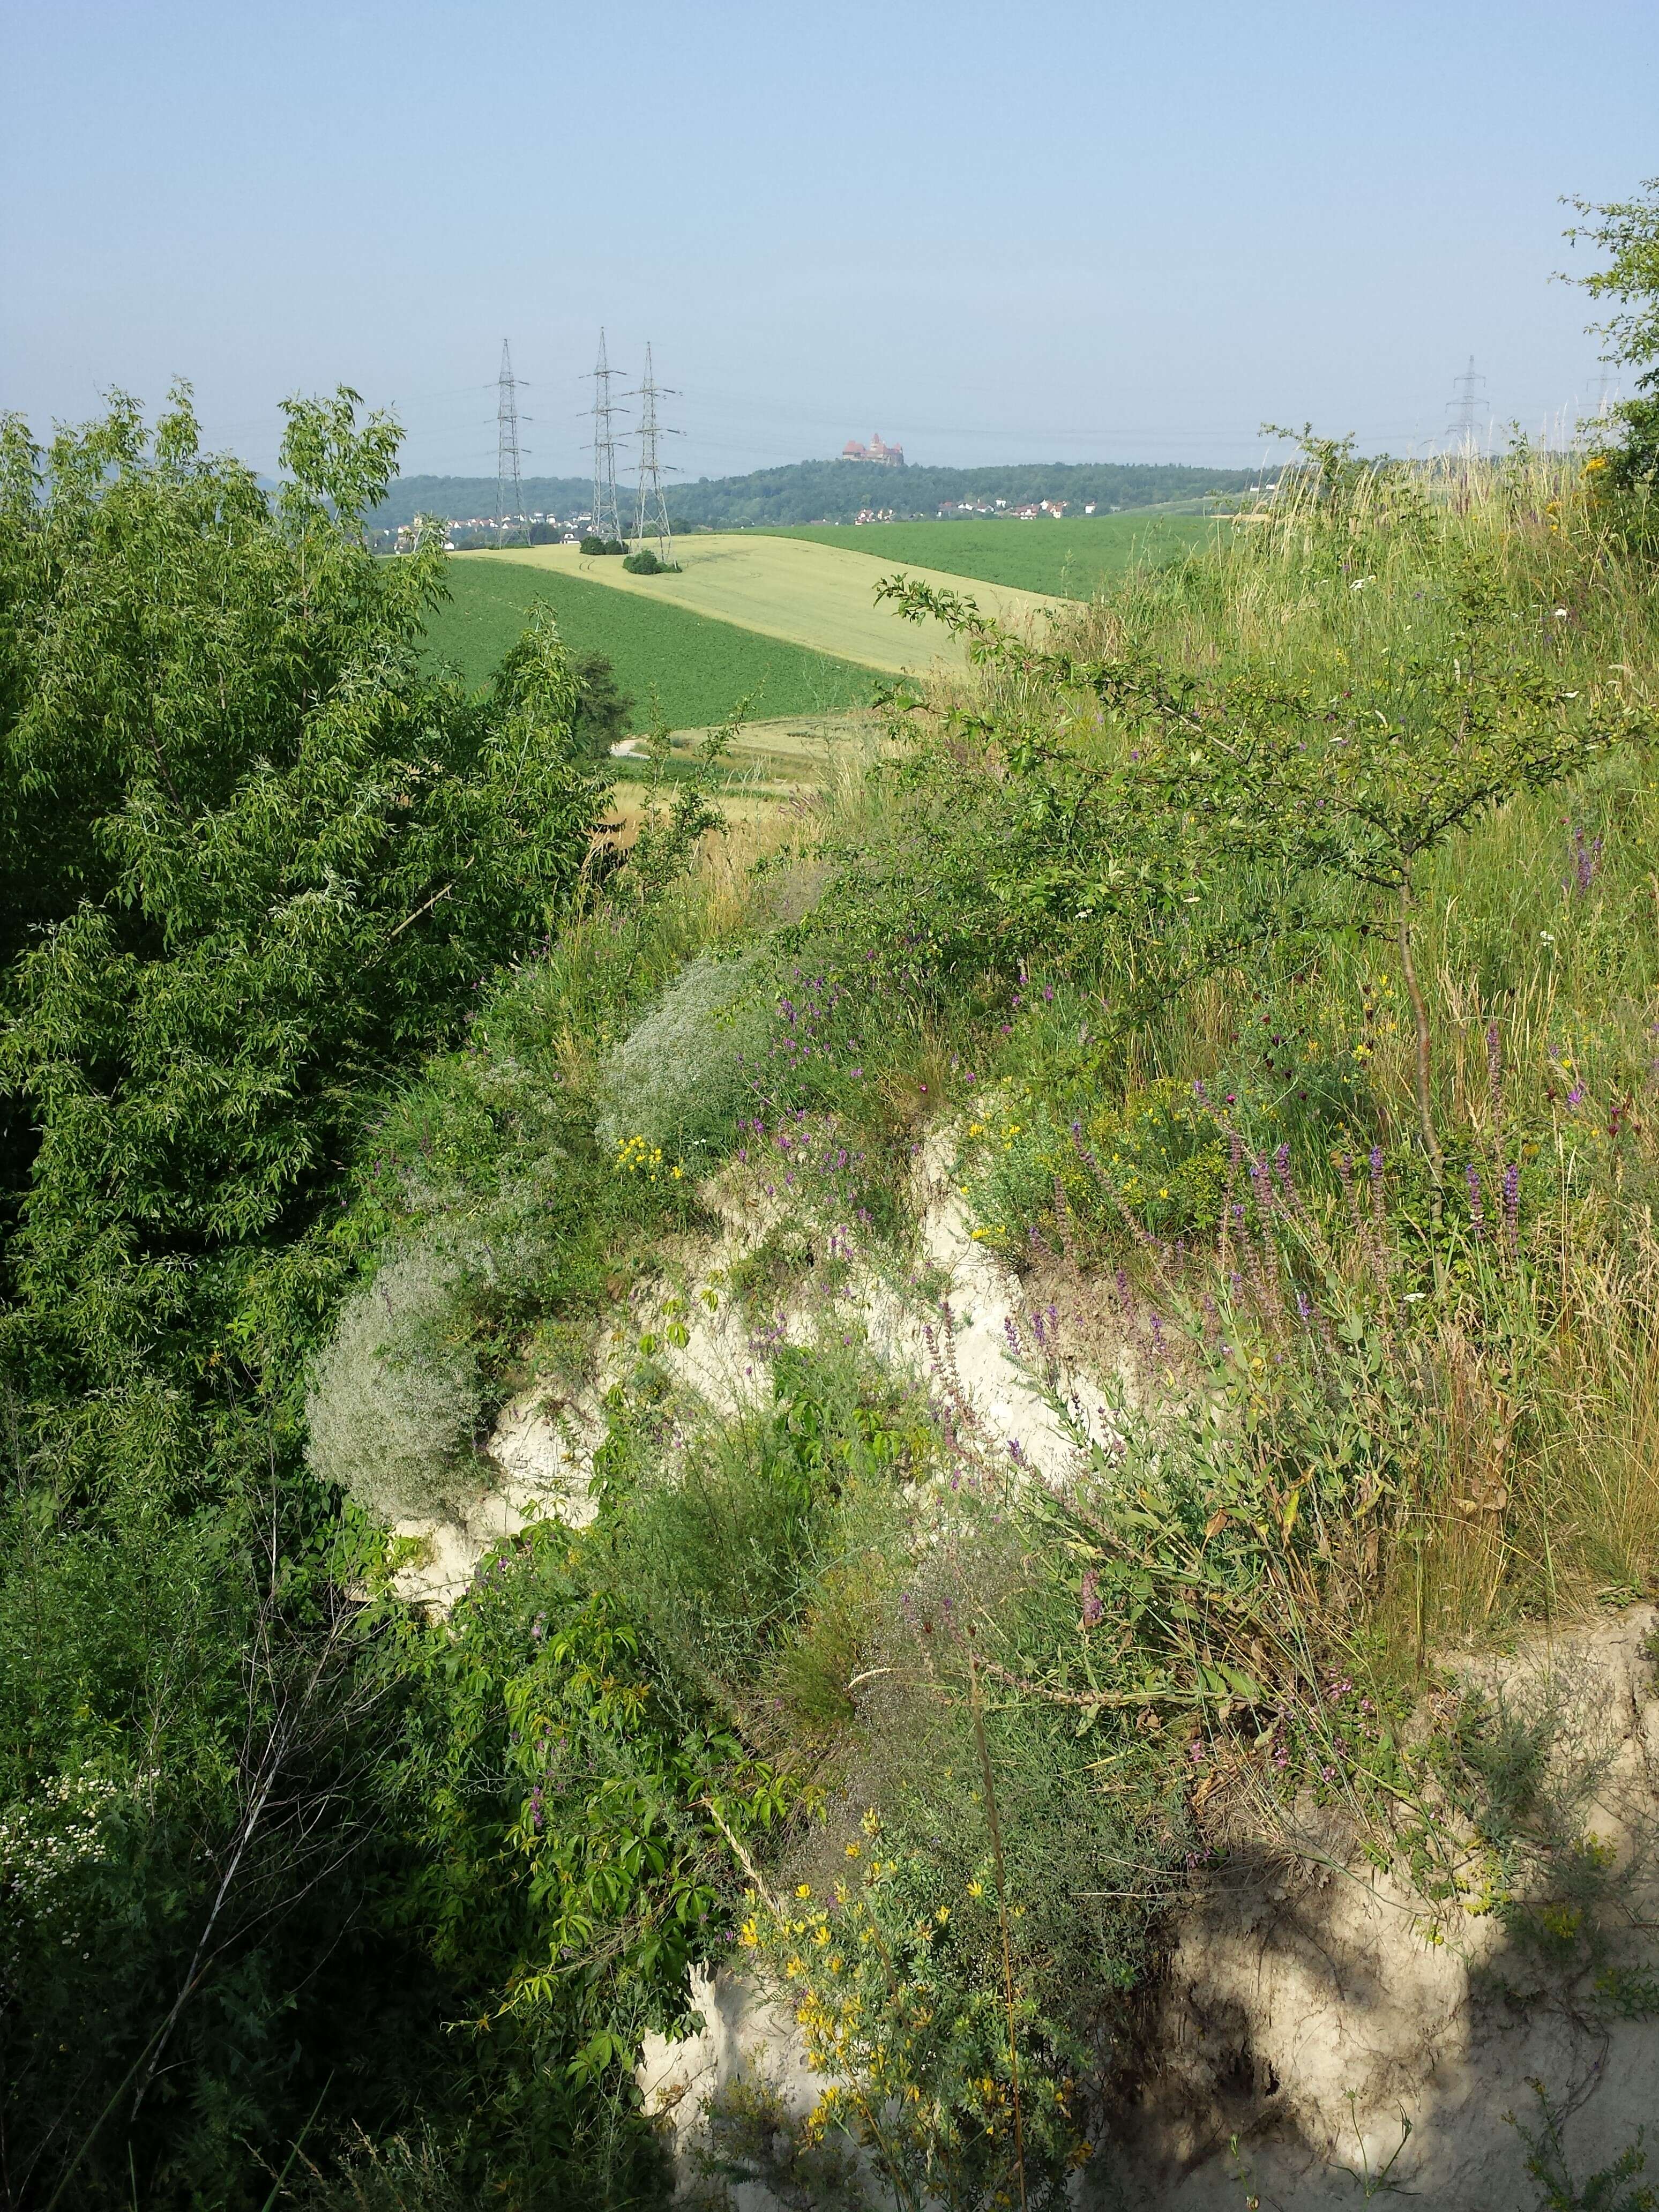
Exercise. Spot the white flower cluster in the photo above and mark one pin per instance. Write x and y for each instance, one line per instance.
(44, 1842)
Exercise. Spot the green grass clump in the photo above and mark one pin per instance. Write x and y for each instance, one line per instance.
(1072, 558)
(697, 668)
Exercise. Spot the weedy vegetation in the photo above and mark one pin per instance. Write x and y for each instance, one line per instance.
(1270, 947)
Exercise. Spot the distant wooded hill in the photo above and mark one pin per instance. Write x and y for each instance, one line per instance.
(835, 491)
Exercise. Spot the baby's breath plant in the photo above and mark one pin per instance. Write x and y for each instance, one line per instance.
(679, 1081)
(396, 1398)
(49, 1848)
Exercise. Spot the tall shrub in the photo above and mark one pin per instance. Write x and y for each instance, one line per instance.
(255, 861)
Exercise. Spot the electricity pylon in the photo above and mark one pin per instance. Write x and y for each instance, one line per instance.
(606, 521)
(1465, 407)
(508, 470)
(653, 516)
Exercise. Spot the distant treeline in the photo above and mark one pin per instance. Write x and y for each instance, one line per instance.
(459, 498)
(834, 491)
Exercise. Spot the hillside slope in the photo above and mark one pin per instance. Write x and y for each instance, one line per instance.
(696, 667)
(1063, 559)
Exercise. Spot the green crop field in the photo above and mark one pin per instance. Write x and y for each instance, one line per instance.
(699, 666)
(821, 598)
(1068, 559)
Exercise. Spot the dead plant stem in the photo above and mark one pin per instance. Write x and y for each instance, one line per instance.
(976, 1699)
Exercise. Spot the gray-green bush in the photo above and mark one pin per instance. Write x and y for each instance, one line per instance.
(397, 1399)
(686, 1072)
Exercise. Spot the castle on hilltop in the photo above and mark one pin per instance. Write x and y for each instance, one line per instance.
(884, 456)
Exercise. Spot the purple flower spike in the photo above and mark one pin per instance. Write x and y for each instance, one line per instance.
(1093, 1610)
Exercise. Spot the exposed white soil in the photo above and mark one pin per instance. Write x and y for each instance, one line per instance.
(985, 1340)
(1319, 2027)
(1314, 2022)
(744, 2036)
(538, 1460)
(1312, 2009)
(538, 1463)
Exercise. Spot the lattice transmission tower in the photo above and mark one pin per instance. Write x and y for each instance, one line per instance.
(1465, 410)
(509, 473)
(652, 520)
(607, 522)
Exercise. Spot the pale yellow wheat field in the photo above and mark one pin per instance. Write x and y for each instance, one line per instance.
(818, 596)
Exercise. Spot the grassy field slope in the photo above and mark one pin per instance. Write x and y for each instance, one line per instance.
(1068, 560)
(699, 668)
(821, 597)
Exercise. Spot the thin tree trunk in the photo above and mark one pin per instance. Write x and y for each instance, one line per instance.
(250, 1821)
(1420, 1012)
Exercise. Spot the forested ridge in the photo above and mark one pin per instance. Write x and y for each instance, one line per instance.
(833, 491)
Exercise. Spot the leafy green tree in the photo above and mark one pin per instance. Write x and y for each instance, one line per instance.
(255, 864)
(254, 859)
(1627, 232)
(603, 707)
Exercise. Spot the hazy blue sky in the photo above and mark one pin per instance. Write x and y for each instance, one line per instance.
(1029, 231)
